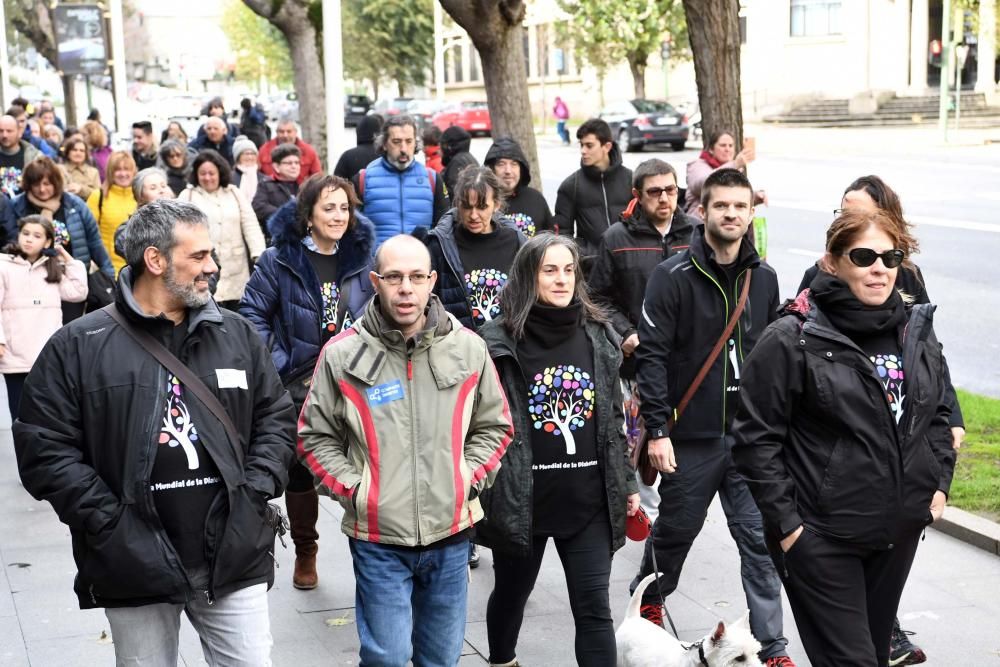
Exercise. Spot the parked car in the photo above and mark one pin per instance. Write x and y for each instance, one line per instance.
(473, 117)
(355, 108)
(282, 105)
(392, 106)
(638, 123)
(422, 111)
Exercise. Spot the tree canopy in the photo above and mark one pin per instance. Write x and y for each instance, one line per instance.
(260, 48)
(388, 39)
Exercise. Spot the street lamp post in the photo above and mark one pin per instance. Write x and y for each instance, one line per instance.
(118, 83)
(5, 92)
(333, 70)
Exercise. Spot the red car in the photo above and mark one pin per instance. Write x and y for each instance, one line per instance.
(473, 117)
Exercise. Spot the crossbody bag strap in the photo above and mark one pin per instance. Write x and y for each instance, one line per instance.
(714, 354)
(183, 373)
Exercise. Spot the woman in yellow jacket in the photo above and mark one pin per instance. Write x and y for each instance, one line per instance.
(114, 203)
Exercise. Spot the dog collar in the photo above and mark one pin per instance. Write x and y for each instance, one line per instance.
(701, 653)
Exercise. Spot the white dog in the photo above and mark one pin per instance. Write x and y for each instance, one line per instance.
(645, 644)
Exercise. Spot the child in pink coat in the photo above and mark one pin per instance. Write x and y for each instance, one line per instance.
(34, 280)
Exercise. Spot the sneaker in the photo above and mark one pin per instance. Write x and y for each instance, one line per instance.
(652, 613)
(901, 649)
(474, 557)
(780, 661)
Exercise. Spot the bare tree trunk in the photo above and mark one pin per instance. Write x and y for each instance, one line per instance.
(714, 30)
(69, 100)
(638, 68)
(291, 17)
(495, 29)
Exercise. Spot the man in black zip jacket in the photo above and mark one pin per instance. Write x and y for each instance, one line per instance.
(689, 300)
(652, 229)
(593, 197)
(166, 513)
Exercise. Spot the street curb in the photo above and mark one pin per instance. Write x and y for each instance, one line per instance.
(971, 529)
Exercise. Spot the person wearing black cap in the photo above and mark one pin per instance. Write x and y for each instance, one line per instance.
(143, 145)
(526, 207)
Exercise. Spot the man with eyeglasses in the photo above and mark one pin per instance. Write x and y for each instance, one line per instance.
(689, 300)
(405, 424)
(272, 193)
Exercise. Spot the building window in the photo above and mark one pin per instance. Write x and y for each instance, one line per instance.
(812, 18)
(459, 74)
(473, 64)
(542, 42)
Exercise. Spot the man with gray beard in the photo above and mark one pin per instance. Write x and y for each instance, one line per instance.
(166, 504)
(398, 194)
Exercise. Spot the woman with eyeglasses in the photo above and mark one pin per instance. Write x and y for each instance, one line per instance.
(565, 475)
(174, 161)
(841, 433)
(309, 286)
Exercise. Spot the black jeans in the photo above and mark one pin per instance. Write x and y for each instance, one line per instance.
(15, 384)
(844, 597)
(586, 560)
(704, 468)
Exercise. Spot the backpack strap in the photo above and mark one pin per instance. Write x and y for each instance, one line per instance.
(361, 185)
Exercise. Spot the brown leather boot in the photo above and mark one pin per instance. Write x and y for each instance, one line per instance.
(303, 510)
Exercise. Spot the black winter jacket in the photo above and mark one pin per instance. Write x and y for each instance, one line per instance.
(630, 250)
(589, 201)
(526, 207)
(86, 441)
(688, 303)
(815, 439)
(271, 195)
(446, 260)
(911, 282)
(455, 156)
(508, 504)
(355, 159)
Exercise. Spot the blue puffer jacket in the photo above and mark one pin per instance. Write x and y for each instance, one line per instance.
(445, 259)
(386, 189)
(84, 237)
(283, 299)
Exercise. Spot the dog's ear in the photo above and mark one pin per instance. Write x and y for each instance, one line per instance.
(720, 631)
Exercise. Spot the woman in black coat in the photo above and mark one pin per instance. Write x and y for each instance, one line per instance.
(842, 436)
(566, 474)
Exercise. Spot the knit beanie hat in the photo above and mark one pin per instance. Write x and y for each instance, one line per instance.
(241, 144)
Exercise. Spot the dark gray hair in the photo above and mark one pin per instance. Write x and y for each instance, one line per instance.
(397, 121)
(521, 291)
(152, 226)
(281, 151)
(651, 167)
(140, 180)
(478, 180)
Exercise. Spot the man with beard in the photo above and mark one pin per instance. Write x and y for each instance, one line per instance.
(525, 207)
(398, 194)
(689, 300)
(166, 509)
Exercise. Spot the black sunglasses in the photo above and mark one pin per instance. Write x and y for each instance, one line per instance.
(865, 257)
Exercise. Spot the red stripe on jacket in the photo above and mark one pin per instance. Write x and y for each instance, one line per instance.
(371, 440)
(494, 460)
(318, 471)
(458, 446)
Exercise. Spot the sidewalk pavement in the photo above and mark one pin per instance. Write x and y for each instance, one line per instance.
(952, 600)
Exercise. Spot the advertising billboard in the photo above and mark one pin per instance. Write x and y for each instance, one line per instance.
(80, 39)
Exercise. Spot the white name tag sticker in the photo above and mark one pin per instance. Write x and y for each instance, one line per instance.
(231, 378)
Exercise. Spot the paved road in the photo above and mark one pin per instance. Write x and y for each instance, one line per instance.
(950, 193)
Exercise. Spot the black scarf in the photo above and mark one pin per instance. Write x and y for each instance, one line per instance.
(550, 325)
(850, 316)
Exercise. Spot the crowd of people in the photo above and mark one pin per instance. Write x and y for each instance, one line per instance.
(426, 342)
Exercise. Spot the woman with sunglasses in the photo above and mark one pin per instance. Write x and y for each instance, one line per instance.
(841, 433)
(566, 474)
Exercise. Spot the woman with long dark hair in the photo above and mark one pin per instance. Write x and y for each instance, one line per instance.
(842, 436)
(309, 286)
(566, 474)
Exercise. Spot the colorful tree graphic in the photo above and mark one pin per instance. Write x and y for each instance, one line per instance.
(178, 429)
(560, 401)
(524, 222)
(484, 286)
(890, 372)
(331, 300)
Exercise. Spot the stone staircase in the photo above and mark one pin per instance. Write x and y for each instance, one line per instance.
(896, 111)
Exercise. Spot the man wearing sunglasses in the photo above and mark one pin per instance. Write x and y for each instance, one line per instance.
(405, 425)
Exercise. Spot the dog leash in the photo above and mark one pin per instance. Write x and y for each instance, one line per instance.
(663, 599)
